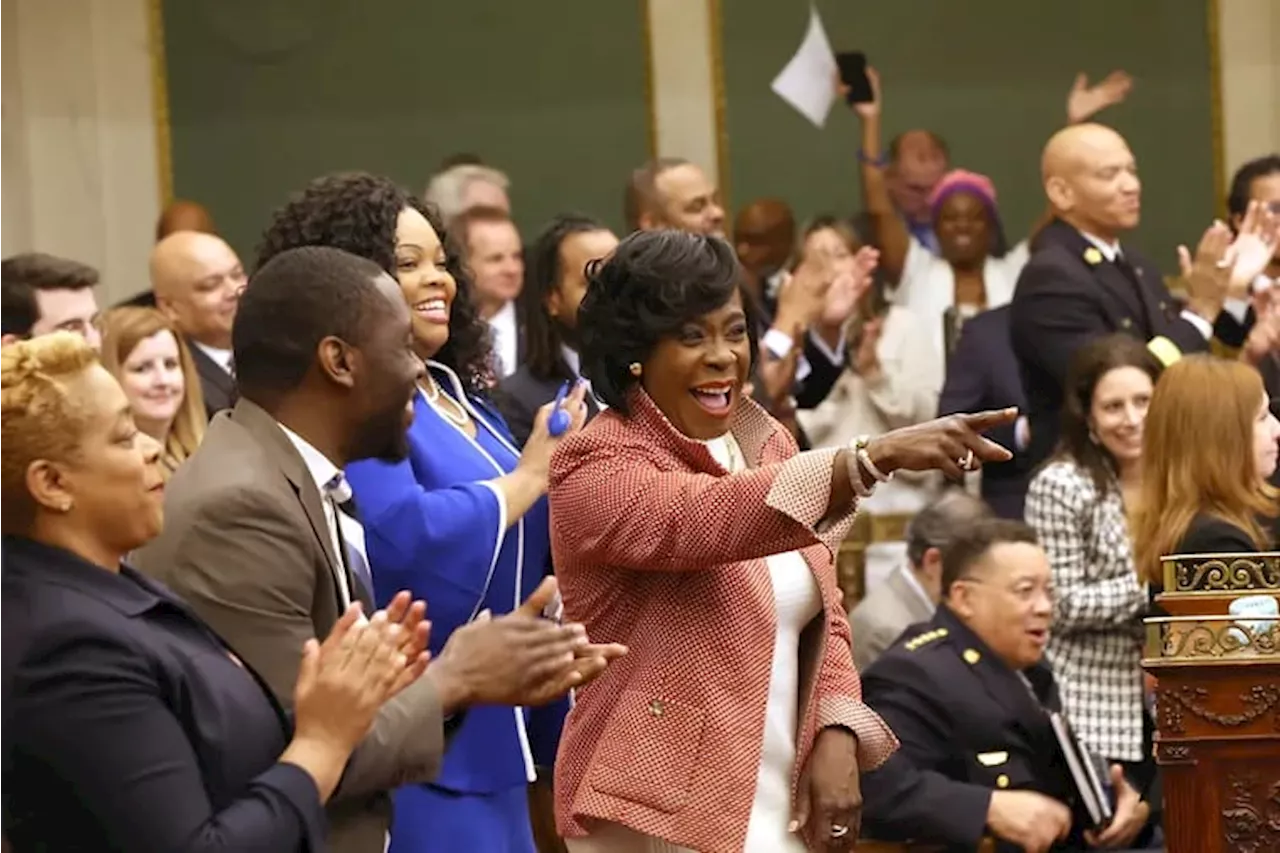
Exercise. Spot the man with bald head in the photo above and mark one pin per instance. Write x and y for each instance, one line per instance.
(1082, 283)
(197, 279)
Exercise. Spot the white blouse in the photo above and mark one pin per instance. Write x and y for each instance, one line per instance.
(928, 284)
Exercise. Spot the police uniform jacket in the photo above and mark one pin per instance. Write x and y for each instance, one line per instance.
(968, 726)
(1069, 294)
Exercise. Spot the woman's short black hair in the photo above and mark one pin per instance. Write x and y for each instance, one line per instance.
(357, 212)
(1090, 363)
(652, 284)
(542, 339)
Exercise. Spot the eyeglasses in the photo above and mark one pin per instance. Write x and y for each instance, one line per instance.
(1026, 592)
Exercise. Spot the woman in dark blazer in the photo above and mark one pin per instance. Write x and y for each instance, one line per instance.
(128, 725)
(1210, 445)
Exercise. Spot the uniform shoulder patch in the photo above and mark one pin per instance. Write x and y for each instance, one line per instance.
(924, 639)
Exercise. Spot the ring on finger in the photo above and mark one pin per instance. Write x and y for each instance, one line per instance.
(839, 830)
(966, 462)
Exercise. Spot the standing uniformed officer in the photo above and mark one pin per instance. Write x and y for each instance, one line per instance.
(968, 695)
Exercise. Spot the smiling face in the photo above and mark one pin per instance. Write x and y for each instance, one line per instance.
(964, 228)
(696, 376)
(1007, 599)
(152, 380)
(1119, 410)
(388, 374)
(425, 282)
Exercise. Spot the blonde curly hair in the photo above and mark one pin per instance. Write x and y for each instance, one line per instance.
(40, 418)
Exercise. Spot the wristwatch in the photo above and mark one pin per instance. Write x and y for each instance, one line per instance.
(879, 162)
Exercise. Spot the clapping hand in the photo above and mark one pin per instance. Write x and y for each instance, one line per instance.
(848, 287)
(1253, 249)
(361, 664)
(520, 658)
(1085, 101)
(1207, 273)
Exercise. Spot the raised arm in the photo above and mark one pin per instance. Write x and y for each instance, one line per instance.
(889, 232)
(613, 504)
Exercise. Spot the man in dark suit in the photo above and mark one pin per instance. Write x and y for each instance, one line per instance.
(982, 374)
(257, 545)
(548, 316)
(1081, 283)
(197, 279)
(969, 696)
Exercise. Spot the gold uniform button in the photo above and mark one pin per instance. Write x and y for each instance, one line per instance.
(971, 656)
(1002, 781)
(1126, 323)
(655, 708)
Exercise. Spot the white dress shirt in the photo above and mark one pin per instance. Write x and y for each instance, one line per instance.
(506, 340)
(220, 357)
(322, 471)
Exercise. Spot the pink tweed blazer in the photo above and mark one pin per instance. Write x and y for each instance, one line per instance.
(659, 547)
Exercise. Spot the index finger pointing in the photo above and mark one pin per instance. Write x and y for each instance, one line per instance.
(983, 421)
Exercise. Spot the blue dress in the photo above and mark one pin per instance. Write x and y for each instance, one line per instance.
(435, 525)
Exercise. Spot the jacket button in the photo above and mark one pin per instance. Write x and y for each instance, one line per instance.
(1002, 781)
(655, 708)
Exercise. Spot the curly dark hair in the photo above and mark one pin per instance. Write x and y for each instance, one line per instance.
(357, 212)
(1092, 362)
(653, 283)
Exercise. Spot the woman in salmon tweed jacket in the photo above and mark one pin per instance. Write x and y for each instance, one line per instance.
(685, 524)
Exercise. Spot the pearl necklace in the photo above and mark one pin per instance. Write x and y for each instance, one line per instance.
(453, 412)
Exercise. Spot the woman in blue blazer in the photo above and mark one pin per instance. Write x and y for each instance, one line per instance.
(462, 521)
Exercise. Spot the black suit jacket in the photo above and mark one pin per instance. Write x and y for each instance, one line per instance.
(1069, 295)
(218, 386)
(982, 374)
(129, 726)
(968, 726)
(520, 395)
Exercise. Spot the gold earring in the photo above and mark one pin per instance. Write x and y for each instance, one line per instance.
(636, 368)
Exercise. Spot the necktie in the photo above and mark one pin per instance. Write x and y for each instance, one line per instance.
(339, 493)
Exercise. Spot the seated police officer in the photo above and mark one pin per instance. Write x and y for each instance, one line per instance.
(968, 694)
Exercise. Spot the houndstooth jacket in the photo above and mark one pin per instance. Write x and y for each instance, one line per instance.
(1096, 643)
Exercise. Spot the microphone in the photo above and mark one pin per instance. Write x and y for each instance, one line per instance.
(559, 421)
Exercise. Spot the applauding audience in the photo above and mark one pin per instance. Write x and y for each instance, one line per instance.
(129, 725)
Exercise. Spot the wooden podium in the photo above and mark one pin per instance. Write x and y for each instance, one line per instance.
(1217, 705)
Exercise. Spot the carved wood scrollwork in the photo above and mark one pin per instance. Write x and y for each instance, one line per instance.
(1251, 820)
(1176, 753)
(1258, 700)
(1234, 573)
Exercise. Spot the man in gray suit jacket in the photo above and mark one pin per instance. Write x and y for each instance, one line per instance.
(911, 592)
(254, 543)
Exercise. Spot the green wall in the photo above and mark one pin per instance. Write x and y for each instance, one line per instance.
(992, 77)
(267, 94)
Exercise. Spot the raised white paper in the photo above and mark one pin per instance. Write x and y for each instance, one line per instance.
(808, 82)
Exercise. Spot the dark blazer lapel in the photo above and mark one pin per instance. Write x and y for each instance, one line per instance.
(264, 428)
(1112, 279)
(209, 371)
(1001, 683)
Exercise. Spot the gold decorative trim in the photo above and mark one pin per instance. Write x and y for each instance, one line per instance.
(1211, 639)
(715, 28)
(160, 100)
(1216, 115)
(1221, 573)
(650, 88)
